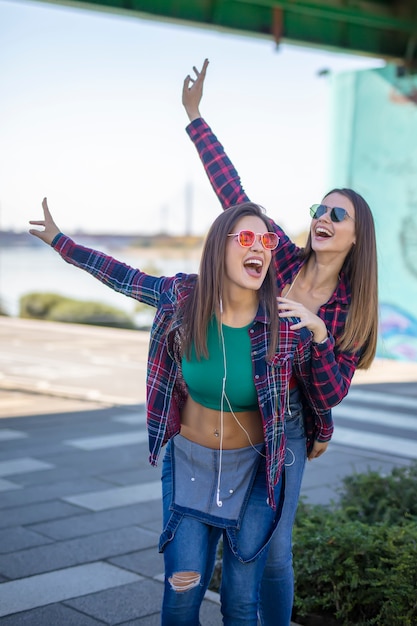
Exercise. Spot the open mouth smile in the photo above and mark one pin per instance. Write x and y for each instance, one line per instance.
(321, 231)
(254, 266)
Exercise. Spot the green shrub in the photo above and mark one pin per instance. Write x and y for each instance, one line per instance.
(56, 308)
(355, 562)
(374, 498)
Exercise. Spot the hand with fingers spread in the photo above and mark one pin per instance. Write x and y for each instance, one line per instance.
(290, 308)
(50, 228)
(192, 92)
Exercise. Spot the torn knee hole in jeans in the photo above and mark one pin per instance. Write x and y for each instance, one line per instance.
(184, 581)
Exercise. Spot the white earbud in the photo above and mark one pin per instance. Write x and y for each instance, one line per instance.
(218, 501)
(221, 305)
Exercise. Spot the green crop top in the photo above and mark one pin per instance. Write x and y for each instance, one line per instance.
(204, 378)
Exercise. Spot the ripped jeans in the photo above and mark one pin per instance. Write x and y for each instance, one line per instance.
(277, 588)
(189, 545)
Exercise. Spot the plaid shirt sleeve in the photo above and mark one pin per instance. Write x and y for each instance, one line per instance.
(329, 377)
(325, 376)
(220, 170)
(342, 363)
(318, 416)
(332, 371)
(116, 275)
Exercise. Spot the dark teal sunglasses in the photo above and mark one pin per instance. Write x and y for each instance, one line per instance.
(337, 214)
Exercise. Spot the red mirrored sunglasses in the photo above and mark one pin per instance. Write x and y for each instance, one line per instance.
(246, 238)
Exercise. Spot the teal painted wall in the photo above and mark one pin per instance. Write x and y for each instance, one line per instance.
(374, 151)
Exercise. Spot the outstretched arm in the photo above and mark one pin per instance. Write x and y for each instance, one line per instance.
(220, 170)
(111, 272)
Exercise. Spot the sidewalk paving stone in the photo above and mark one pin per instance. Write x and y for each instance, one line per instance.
(63, 563)
(60, 585)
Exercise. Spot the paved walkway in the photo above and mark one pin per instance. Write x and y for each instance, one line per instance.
(80, 510)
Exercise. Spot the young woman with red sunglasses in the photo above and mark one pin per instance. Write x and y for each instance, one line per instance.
(219, 365)
(331, 286)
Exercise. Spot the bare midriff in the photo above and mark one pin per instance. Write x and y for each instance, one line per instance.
(203, 426)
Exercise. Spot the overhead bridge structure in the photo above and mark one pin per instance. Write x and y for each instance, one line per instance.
(386, 29)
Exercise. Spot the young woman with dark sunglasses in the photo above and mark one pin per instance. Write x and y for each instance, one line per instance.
(219, 365)
(331, 286)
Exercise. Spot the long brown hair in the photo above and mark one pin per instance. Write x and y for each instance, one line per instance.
(199, 308)
(361, 269)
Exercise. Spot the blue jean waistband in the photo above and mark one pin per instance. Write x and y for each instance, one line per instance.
(247, 536)
(213, 483)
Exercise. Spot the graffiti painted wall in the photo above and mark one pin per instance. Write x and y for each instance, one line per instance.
(374, 151)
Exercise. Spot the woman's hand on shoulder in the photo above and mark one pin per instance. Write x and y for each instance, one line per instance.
(50, 230)
(192, 91)
(290, 308)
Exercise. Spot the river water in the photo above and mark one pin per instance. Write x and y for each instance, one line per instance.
(40, 269)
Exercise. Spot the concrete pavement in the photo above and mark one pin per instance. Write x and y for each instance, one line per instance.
(80, 510)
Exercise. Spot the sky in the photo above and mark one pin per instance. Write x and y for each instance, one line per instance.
(91, 117)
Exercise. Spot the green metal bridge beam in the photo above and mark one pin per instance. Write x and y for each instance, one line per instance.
(382, 28)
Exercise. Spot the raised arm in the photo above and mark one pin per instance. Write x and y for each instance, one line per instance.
(220, 170)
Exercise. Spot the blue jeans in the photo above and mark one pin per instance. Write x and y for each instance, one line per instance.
(277, 588)
(190, 546)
